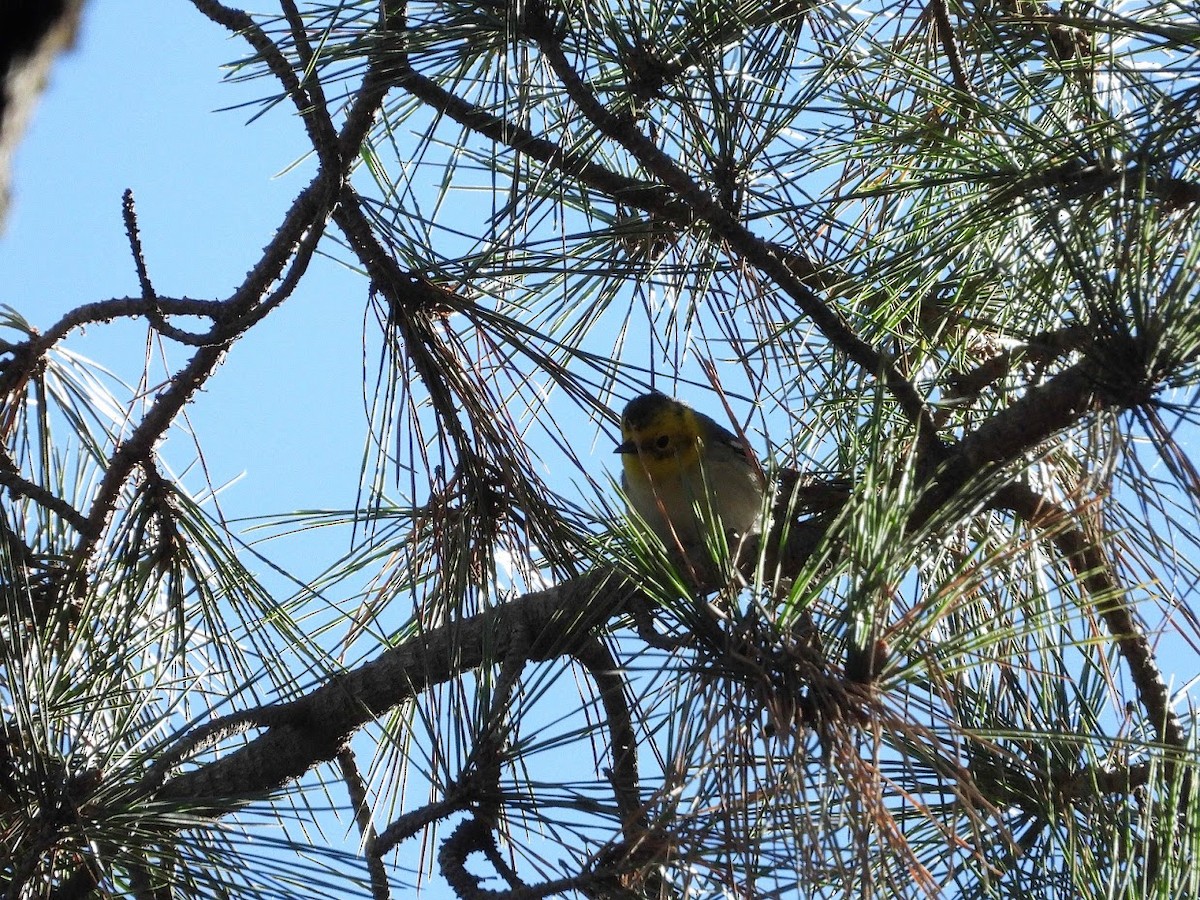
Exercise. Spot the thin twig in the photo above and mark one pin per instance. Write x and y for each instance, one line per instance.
(129, 213)
(154, 313)
(644, 195)
(321, 133)
(19, 486)
(102, 311)
(301, 229)
(239, 22)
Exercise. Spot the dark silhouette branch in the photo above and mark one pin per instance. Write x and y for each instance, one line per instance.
(321, 133)
(239, 22)
(644, 195)
(19, 486)
(104, 311)
(291, 249)
(1016, 430)
(208, 735)
(940, 10)
(153, 313)
(129, 213)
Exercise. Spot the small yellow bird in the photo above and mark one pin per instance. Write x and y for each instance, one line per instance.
(682, 471)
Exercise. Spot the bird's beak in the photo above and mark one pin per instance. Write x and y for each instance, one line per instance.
(627, 447)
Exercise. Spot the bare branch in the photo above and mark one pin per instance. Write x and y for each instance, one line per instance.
(940, 10)
(644, 195)
(239, 22)
(321, 132)
(602, 666)
(102, 311)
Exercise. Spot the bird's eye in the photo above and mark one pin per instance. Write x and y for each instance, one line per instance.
(662, 442)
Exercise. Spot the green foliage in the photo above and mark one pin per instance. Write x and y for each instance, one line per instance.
(941, 259)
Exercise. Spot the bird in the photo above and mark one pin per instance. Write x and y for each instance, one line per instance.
(682, 472)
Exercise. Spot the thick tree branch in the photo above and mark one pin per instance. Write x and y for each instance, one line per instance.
(1041, 412)
(1015, 431)
(314, 728)
(548, 624)
(1009, 435)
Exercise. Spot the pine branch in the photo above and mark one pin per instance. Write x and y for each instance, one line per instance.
(315, 728)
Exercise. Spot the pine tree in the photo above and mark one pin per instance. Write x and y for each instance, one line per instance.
(939, 265)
